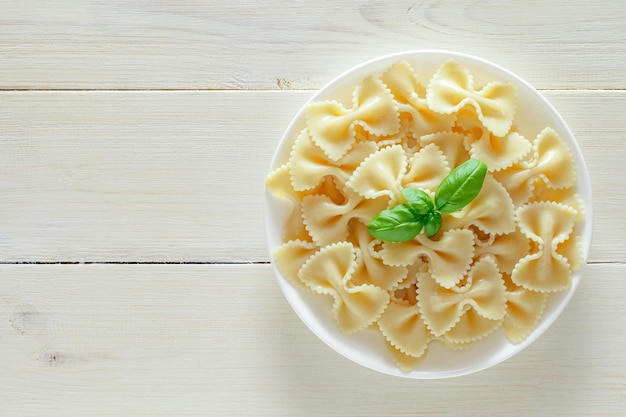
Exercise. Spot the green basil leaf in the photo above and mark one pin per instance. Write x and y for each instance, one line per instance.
(460, 186)
(419, 201)
(432, 223)
(397, 224)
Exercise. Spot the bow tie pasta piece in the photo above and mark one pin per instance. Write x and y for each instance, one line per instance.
(524, 310)
(380, 174)
(327, 221)
(484, 292)
(449, 258)
(329, 271)
(410, 95)
(491, 211)
(332, 126)
(427, 168)
(506, 249)
(549, 225)
(290, 257)
(404, 328)
(452, 144)
(309, 164)
(370, 267)
(451, 88)
(552, 162)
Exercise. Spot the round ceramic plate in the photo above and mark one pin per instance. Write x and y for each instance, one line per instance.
(533, 114)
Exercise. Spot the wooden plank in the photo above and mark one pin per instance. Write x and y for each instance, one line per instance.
(198, 340)
(178, 176)
(282, 44)
(137, 176)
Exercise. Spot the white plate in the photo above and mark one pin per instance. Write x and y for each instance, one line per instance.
(533, 114)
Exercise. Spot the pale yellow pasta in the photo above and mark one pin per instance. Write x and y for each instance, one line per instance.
(470, 328)
(420, 266)
(449, 258)
(405, 291)
(290, 257)
(491, 211)
(409, 140)
(410, 95)
(572, 250)
(452, 144)
(572, 247)
(309, 165)
(279, 185)
(567, 196)
(493, 264)
(405, 363)
(404, 137)
(327, 221)
(468, 124)
(370, 268)
(452, 88)
(294, 228)
(403, 326)
(405, 294)
(548, 224)
(380, 174)
(506, 250)
(551, 162)
(524, 310)
(484, 292)
(454, 346)
(403, 83)
(500, 152)
(331, 125)
(427, 168)
(329, 271)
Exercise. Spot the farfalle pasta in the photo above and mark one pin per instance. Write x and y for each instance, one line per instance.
(493, 264)
(329, 271)
(452, 88)
(333, 127)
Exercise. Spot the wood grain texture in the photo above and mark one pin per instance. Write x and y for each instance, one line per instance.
(179, 176)
(218, 340)
(137, 176)
(135, 137)
(277, 44)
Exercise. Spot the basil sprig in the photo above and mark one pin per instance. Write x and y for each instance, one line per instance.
(405, 221)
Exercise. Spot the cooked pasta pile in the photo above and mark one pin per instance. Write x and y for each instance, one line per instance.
(492, 265)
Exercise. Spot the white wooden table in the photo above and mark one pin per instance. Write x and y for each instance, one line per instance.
(134, 141)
